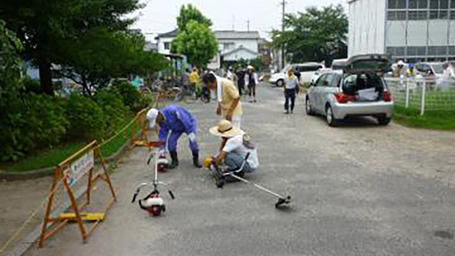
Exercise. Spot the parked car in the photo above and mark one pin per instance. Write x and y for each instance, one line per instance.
(318, 73)
(422, 68)
(306, 71)
(355, 90)
(338, 63)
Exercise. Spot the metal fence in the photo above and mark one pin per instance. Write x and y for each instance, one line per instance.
(422, 94)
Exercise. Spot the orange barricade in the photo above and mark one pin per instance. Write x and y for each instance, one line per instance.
(79, 166)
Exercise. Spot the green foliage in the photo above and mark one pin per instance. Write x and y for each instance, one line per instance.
(131, 97)
(87, 120)
(44, 26)
(314, 35)
(188, 13)
(113, 108)
(100, 55)
(197, 42)
(34, 121)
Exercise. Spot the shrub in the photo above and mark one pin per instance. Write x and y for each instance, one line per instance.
(113, 108)
(86, 118)
(131, 97)
(32, 122)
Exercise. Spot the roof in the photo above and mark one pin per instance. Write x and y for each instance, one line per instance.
(172, 33)
(240, 48)
(230, 34)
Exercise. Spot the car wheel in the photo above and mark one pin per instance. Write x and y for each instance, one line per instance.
(384, 120)
(309, 111)
(331, 121)
(280, 83)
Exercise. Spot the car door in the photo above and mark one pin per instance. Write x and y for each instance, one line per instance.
(328, 88)
(315, 96)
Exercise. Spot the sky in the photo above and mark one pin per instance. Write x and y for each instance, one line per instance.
(159, 16)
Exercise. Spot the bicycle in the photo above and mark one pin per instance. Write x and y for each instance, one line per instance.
(161, 91)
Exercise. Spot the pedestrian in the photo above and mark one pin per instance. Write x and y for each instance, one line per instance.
(185, 78)
(229, 105)
(251, 80)
(235, 145)
(240, 80)
(399, 71)
(174, 120)
(291, 85)
(194, 78)
(446, 79)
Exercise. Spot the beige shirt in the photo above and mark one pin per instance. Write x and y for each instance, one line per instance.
(229, 93)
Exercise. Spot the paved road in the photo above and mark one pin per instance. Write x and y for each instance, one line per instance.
(358, 189)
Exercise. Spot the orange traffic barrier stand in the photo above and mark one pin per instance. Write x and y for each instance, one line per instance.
(78, 172)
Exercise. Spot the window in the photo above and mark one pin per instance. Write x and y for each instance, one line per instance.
(452, 4)
(401, 4)
(434, 4)
(167, 45)
(452, 14)
(392, 15)
(393, 4)
(423, 4)
(413, 4)
(443, 4)
(228, 46)
(452, 50)
(321, 79)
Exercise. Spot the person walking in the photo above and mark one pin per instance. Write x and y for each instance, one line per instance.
(240, 80)
(291, 85)
(251, 80)
(229, 105)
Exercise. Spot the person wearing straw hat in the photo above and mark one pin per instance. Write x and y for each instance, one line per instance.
(235, 145)
(173, 121)
(229, 105)
(251, 80)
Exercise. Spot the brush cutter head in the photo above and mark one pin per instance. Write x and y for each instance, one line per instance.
(283, 203)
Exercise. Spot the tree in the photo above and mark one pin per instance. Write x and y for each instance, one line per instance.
(195, 39)
(100, 55)
(188, 13)
(314, 35)
(42, 26)
(197, 42)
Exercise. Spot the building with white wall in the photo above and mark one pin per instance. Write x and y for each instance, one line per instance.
(411, 30)
(232, 45)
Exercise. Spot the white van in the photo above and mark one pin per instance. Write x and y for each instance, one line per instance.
(306, 71)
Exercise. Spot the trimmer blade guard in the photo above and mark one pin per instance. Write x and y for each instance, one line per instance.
(283, 202)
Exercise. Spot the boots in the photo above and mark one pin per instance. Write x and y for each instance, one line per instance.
(175, 160)
(196, 161)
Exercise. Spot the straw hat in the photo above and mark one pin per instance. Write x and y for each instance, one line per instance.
(250, 67)
(225, 129)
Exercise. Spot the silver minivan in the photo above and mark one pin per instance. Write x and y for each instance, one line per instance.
(357, 89)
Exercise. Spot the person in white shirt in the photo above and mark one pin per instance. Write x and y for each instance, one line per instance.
(446, 79)
(291, 85)
(235, 145)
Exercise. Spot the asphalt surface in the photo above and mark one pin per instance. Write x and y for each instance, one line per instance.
(359, 189)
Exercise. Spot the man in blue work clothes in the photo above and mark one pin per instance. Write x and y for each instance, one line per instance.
(173, 121)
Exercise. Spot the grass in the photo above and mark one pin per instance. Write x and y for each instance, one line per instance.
(52, 157)
(438, 120)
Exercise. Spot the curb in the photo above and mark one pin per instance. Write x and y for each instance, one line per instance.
(39, 173)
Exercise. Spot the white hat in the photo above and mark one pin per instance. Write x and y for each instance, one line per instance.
(225, 129)
(151, 116)
(400, 63)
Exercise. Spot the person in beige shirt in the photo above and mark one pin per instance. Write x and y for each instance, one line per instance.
(229, 105)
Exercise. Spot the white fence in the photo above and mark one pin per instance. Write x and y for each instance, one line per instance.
(423, 94)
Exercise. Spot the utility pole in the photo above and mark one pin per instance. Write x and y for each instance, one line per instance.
(248, 24)
(283, 3)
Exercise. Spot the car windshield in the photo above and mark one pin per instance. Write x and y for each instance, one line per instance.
(438, 69)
